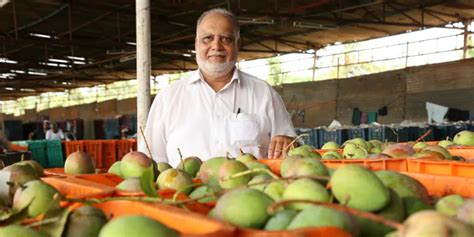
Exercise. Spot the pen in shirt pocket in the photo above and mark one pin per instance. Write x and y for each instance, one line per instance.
(237, 113)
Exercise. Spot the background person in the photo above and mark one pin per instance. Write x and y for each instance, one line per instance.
(54, 133)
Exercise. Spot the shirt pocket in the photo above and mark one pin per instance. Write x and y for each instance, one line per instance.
(243, 129)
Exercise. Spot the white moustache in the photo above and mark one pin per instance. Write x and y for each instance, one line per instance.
(217, 54)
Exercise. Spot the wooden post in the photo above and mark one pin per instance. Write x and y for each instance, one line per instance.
(143, 63)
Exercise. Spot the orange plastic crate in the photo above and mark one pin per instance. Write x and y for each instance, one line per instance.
(73, 146)
(109, 153)
(72, 187)
(94, 148)
(467, 152)
(102, 178)
(124, 146)
(304, 232)
(374, 164)
(440, 186)
(186, 222)
(441, 167)
(399, 164)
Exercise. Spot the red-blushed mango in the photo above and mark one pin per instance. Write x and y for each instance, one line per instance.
(399, 150)
(209, 171)
(130, 184)
(79, 162)
(229, 168)
(175, 179)
(134, 164)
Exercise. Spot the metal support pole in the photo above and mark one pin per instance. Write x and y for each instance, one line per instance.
(466, 31)
(143, 63)
(314, 64)
(14, 19)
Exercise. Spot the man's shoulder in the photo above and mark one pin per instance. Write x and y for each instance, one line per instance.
(253, 80)
(180, 83)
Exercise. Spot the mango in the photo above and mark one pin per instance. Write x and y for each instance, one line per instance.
(280, 220)
(142, 226)
(79, 162)
(305, 189)
(319, 216)
(134, 164)
(18, 231)
(209, 170)
(449, 205)
(229, 168)
(359, 188)
(85, 221)
(191, 165)
(244, 207)
(175, 179)
(37, 197)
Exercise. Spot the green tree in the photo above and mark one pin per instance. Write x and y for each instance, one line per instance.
(275, 76)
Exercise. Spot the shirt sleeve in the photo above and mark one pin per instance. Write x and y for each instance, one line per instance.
(281, 121)
(155, 132)
(48, 135)
(61, 134)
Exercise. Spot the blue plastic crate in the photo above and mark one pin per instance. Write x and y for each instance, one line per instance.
(55, 154)
(440, 132)
(376, 133)
(455, 128)
(397, 134)
(417, 132)
(357, 133)
(38, 151)
(308, 137)
(339, 136)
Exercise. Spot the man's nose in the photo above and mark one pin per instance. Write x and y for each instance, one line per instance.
(216, 44)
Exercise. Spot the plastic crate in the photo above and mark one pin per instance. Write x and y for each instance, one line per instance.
(415, 132)
(186, 222)
(94, 149)
(376, 133)
(466, 152)
(10, 158)
(357, 133)
(339, 136)
(38, 151)
(396, 134)
(436, 167)
(73, 146)
(399, 164)
(109, 153)
(441, 186)
(72, 187)
(124, 146)
(55, 154)
(313, 232)
(455, 128)
(440, 131)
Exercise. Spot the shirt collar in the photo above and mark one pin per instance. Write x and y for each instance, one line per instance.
(197, 76)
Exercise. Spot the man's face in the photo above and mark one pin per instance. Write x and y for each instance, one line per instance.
(216, 45)
(46, 126)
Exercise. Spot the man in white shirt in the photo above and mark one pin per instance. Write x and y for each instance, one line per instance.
(54, 133)
(217, 109)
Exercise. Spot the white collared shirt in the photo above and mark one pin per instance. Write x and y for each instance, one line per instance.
(191, 116)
